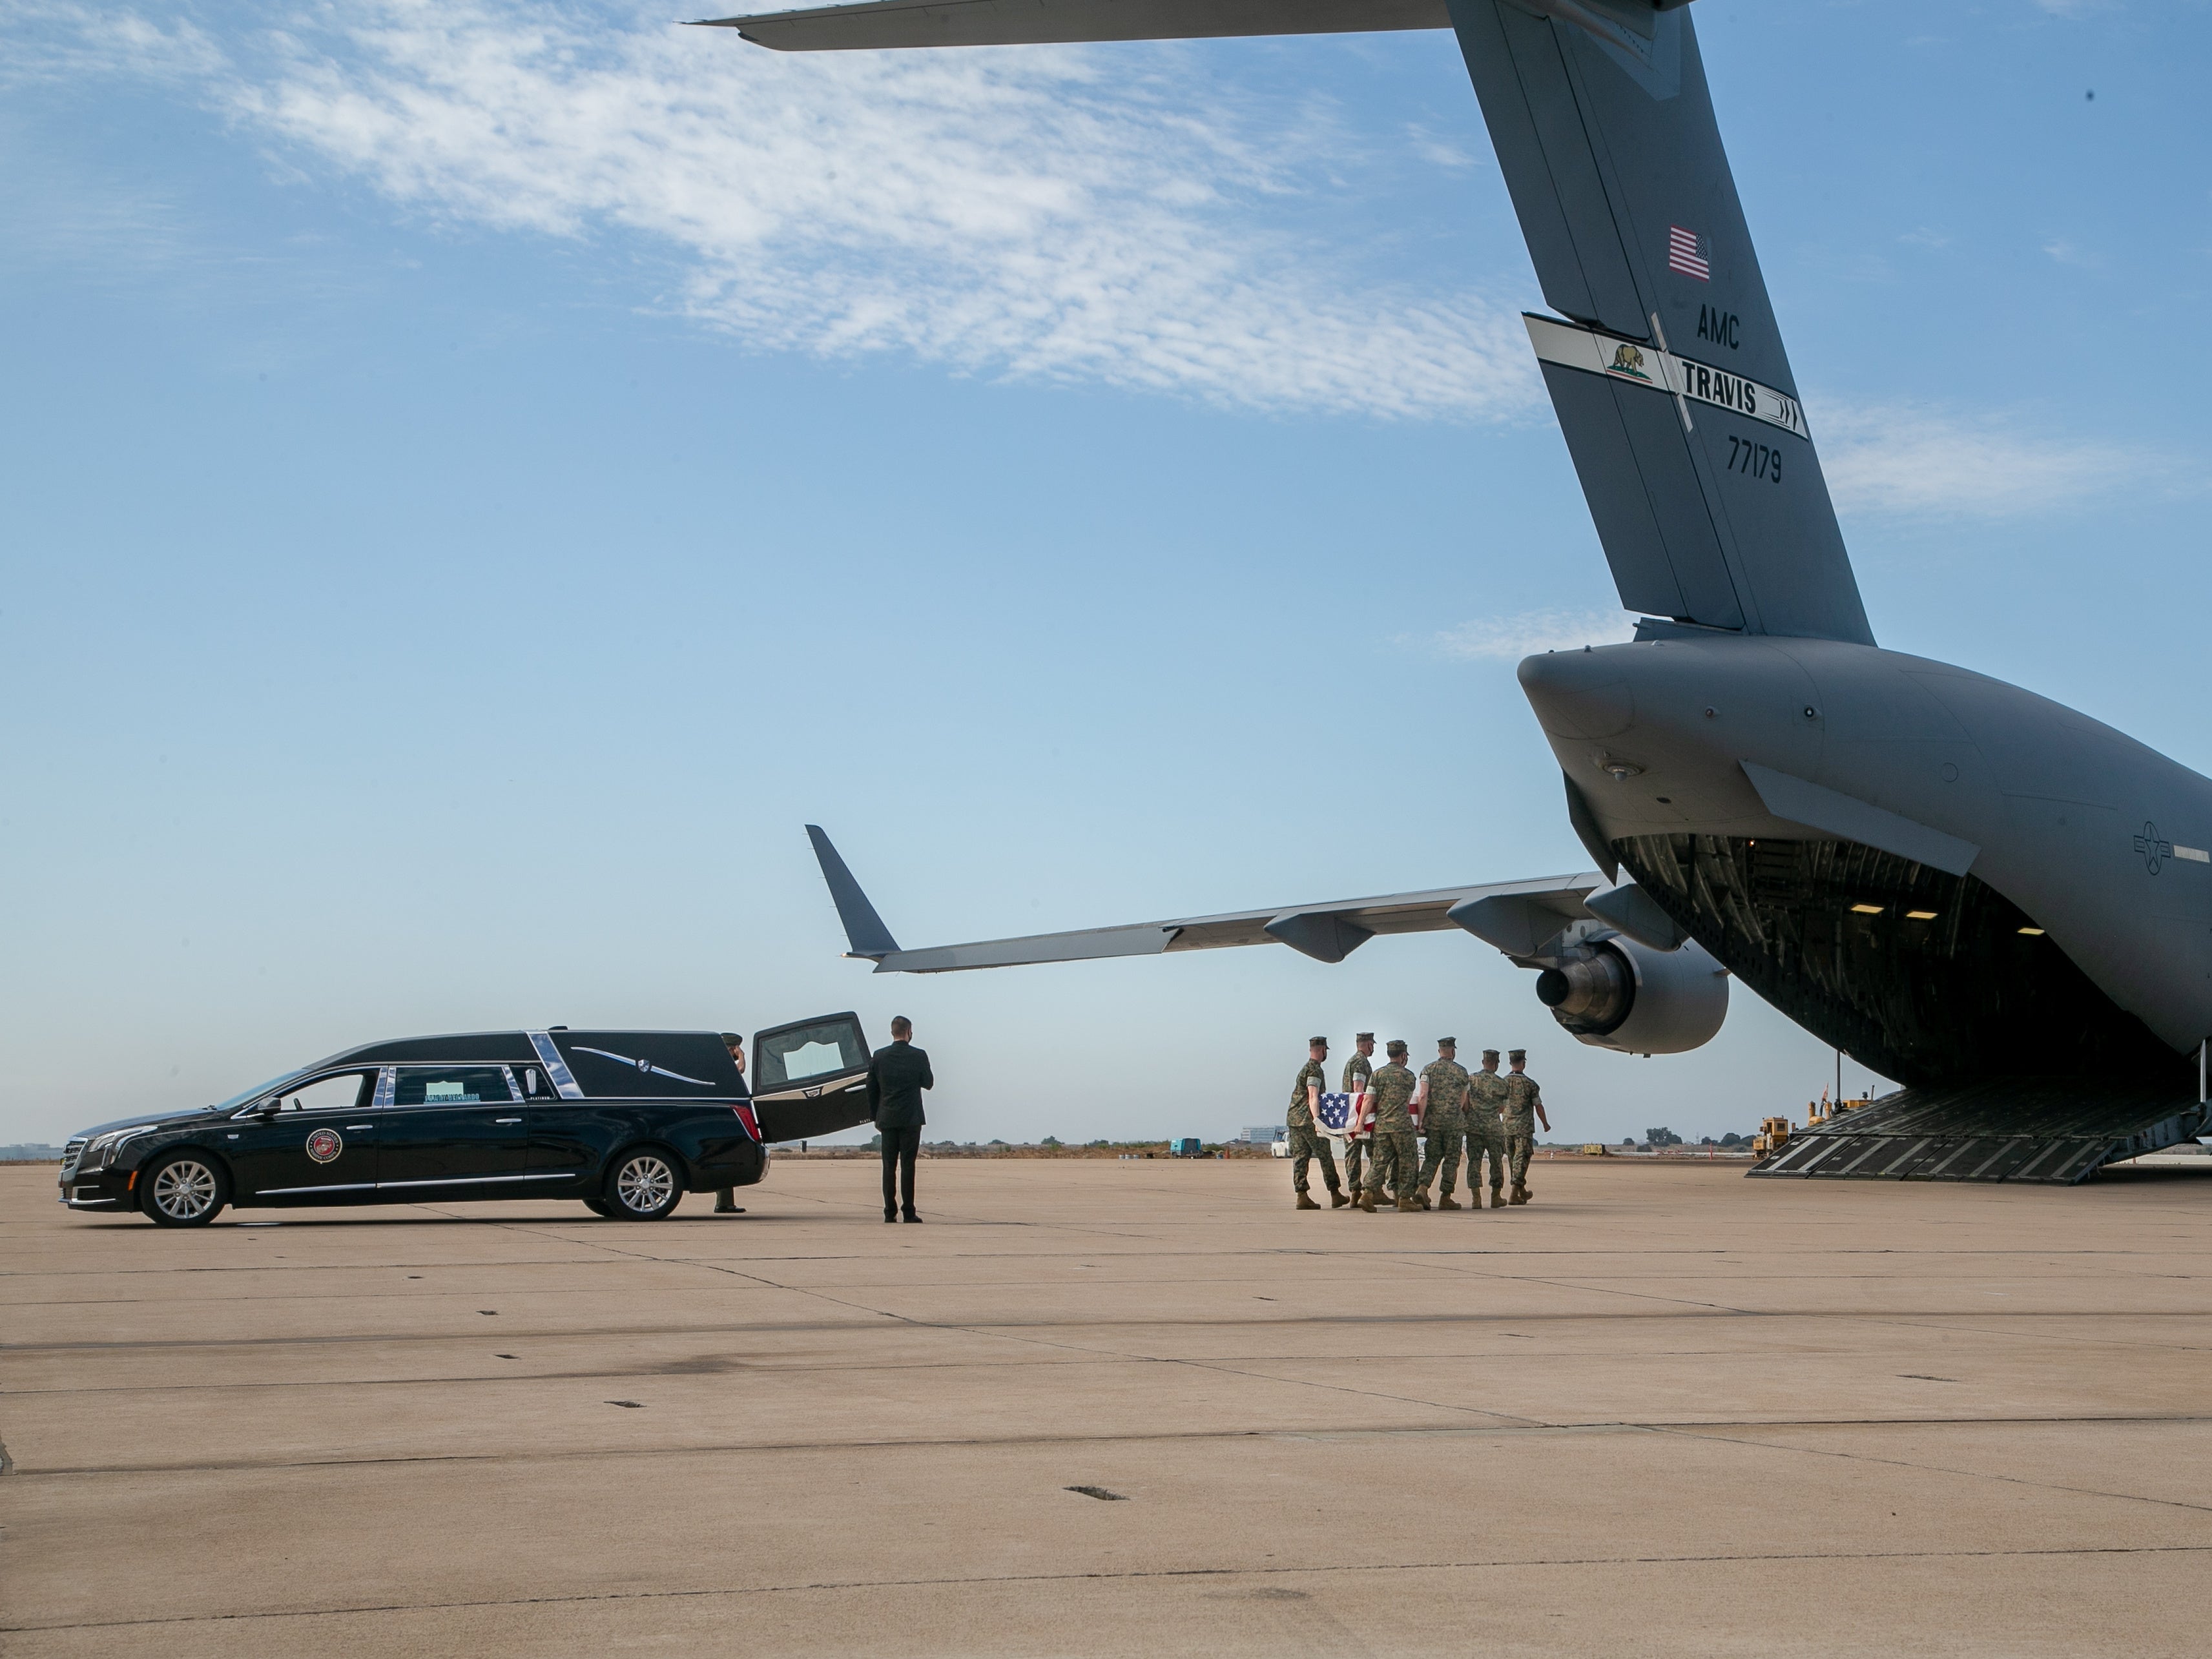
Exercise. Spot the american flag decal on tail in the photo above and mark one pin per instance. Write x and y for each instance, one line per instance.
(1682, 254)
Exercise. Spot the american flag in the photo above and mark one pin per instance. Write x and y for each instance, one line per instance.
(1341, 1114)
(1682, 254)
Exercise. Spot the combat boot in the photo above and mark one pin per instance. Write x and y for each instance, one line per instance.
(1497, 1198)
(1337, 1200)
(1447, 1202)
(1411, 1205)
(1367, 1201)
(1520, 1195)
(1421, 1197)
(1305, 1202)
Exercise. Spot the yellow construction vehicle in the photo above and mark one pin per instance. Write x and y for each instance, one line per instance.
(1773, 1135)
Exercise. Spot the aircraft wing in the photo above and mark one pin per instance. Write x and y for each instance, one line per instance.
(1518, 917)
(1041, 22)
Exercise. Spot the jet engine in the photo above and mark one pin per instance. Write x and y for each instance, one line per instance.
(1616, 994)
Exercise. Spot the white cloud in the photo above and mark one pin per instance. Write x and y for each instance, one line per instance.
(1438, 152)
(59, 40)
(1508, 639)
(1912, 459)
(2060, 250)
(1048, 214)
(1103, 216)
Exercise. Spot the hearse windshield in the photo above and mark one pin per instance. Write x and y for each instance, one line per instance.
(259, 1089)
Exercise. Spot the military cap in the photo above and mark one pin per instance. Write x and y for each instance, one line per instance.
(1489, 1054)
(1397, 1046)
(1447, 1042)
(1363, 1037)
(731, 1040)
(1316, 1042)
(1517, 1054)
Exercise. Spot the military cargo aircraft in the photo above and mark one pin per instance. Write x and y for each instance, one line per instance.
(2004, 904)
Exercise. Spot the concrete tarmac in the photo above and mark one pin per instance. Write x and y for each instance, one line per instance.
(1661, 1411)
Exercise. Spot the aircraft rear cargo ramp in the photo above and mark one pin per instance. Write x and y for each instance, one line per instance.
(2007, 1129)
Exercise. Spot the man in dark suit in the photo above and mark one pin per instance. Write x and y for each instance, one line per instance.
(896, 1077)
(726, 1201)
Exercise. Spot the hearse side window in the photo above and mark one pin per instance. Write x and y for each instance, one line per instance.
(806, 1051)
(343, 1093)
(453, 1085)
(534, 1086)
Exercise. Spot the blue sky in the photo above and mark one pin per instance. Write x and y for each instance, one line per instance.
(479, 477)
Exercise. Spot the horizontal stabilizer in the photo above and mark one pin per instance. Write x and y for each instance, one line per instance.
(889, 23)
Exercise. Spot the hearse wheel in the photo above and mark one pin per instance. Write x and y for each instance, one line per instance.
(644, 1186)
(183, 1189)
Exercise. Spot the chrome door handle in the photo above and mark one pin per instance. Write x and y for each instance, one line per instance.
(506, 1119)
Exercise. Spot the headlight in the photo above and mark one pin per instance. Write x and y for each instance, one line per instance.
(102, 1151)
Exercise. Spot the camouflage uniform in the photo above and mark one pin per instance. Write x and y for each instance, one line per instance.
(1443, 1122)
(1357, 1071)
(1485, 1133)
(1307, 1141)
(1397, 1157)
(1522, 1097)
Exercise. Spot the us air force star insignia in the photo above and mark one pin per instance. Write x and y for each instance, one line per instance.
(324, 1145)
(2153, 850)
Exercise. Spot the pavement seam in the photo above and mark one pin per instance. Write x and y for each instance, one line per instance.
(1702, 1431)
(1812, 1257)
(1301, 1569)
(1875, 1317)
(1690, 1432)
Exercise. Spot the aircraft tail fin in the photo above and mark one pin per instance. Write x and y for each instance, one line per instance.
(1669, 379)
(864, 929)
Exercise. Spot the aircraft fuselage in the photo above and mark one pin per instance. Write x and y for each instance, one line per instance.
(1946, 876)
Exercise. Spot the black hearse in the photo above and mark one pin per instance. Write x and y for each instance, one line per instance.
(627, 1122)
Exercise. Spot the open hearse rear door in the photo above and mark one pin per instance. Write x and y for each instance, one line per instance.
(810, 1077)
